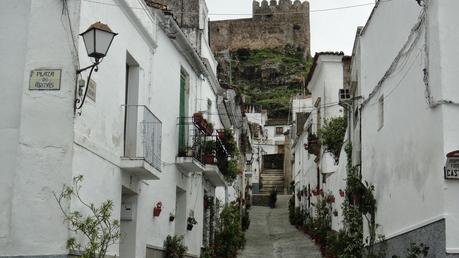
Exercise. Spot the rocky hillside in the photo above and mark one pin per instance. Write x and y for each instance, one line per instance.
(266, 77)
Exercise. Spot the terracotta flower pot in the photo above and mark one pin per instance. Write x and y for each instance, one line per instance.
(156, 212)
(209, 159)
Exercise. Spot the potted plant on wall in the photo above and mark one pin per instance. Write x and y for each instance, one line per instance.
(157, 209)
(171, 217)
(221, 134)
(191, 221)
(209, 129)
(209, 150)
(197, 118)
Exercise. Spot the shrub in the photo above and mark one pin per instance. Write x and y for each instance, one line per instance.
(229, 238)
(97, 227)
(291, 210)
(174, 247)
(332, 135)
(245, 220)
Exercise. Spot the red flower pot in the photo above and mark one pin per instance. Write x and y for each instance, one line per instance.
(156, 212)
(209, 159)
(197, 118)
(341, 193)
(157, 209)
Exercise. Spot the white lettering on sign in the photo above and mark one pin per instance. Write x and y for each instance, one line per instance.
(452, 168)
(45, 79)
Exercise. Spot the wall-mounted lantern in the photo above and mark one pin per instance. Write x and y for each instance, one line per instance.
(97, 40)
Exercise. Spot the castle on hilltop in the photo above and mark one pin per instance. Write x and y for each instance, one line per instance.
(274, 24)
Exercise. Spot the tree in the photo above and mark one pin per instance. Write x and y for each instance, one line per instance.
(98, 228)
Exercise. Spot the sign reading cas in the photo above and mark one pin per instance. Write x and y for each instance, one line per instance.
(45, 79)
(452, 165)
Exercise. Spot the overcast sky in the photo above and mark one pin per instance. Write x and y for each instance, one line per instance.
(332, 30)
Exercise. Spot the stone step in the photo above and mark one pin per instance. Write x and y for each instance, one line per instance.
(272, 182)
(271, 177)
(273, 171)
(268, 189)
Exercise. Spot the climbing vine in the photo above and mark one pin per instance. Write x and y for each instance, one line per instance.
(359, 203)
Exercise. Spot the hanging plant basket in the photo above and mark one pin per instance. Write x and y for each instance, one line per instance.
(191, 221)
(171, 217)
(341, 193)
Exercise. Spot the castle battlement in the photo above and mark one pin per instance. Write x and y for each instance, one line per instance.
(274, 7)
(275, 24)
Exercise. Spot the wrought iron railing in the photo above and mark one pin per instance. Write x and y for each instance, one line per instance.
(196, 142)
(142, 135)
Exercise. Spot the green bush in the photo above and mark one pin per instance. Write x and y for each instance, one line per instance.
(291, 210)
(229, 238)
(245, 220)
(332, 134)
(174, 247)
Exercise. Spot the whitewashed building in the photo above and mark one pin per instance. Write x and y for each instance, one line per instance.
(405, 72)
(320, 171)
(128, 140)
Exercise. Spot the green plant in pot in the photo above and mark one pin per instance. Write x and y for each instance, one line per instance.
(209, 152)
(174, 247)
(191, 221)
(273, 198)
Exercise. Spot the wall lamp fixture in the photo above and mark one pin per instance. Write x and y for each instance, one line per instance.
(97, 40)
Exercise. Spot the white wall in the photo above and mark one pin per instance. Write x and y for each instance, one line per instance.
(443, 21)
(51, 145)
(394, 157)
(38, 149)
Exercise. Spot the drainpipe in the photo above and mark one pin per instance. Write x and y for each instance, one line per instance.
(360, 140)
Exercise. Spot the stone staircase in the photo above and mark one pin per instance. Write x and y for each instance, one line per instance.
(272, 179)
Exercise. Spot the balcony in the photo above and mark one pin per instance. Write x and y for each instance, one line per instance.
(142, 143)
(198, 145)
(212, 173)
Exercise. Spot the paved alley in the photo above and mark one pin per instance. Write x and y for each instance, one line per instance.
(271, 235)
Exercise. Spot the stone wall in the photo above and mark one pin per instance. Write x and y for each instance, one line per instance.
(431, 235)
(273, 25)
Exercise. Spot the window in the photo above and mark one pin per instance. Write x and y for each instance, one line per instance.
(279, 130)
(381, 112)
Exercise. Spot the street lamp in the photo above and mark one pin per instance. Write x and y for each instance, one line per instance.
(97, 40)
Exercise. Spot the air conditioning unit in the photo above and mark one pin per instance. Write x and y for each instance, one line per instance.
(344, 96)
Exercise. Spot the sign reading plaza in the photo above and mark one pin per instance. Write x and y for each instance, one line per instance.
(45, 79)
(452, 165)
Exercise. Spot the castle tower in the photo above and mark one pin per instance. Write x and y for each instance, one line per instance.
(275, 24)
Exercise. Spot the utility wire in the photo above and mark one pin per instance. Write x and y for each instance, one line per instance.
(249, 14)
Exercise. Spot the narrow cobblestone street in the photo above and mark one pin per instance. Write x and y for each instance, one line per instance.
(271, 235)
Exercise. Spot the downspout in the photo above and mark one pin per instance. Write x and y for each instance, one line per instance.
(360, 140)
